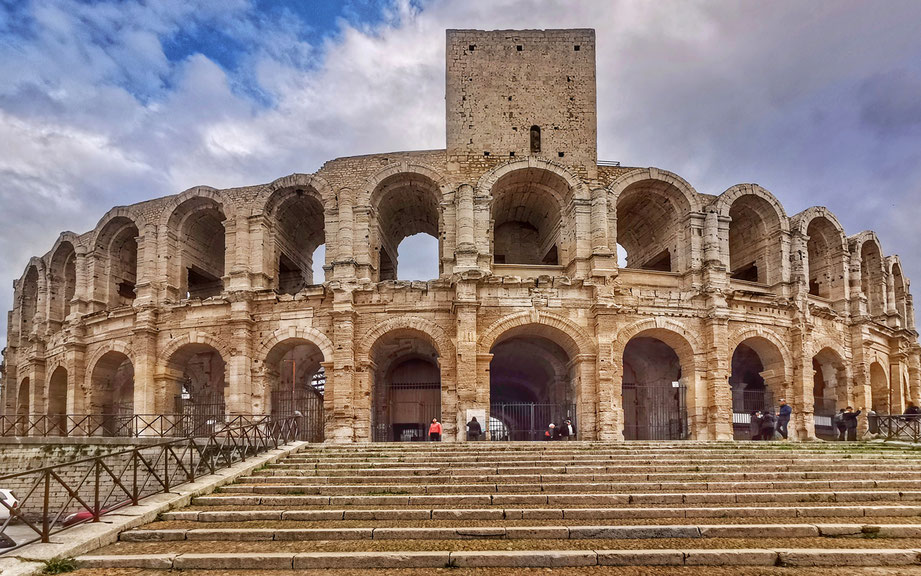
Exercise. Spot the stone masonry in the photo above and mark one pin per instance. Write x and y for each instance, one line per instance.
(209, 294)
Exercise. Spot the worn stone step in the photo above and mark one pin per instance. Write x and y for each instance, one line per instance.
(508, 558)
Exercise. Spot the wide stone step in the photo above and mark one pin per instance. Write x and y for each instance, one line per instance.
(507, 558)
(528, 532)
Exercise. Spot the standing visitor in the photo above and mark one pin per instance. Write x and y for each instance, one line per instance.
(850, 423)
(566, 430)
(550, 432)
(435, 430)
(912, 412)
(767, 426)
(474, 430)
(783, 417)
(754, 427)
(840, 424)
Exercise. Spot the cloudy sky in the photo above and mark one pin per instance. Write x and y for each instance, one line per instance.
(110, 103)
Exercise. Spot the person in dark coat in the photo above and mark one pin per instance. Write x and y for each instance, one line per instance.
(566, 431)
(754, 428)
(550, 433)
(474, 430)
(767, 426)
(912, 412)
(850, 423)
(783, 417)
(840, 424)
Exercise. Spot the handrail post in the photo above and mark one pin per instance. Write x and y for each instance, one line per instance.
(96, 504)
(46, 528)
(134, 479)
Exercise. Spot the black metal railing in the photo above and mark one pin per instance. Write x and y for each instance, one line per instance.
(119, 425)
(655, 412)
(898, 427)
(54, 498)
(527, 421)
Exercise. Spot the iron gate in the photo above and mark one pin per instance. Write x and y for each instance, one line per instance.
(406, 412)
(823, 415)
(527, 421)
(744, 402)
(655, 412)
(201, 415)
(307, 405)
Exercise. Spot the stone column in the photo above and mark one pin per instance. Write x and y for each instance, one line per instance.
(583, 368)
(713, 420)
(914, 373)
(361, 245)
(604, 256)
(466, 253)
(344, 250)
(859, 305)
(146, 286)
(897, 401)
(799, 393)
(144, 344)
(236, 254)
(262, 265)
(482, 388)
(469, 399)
(346, 387)
(240, 366)
(609, 409)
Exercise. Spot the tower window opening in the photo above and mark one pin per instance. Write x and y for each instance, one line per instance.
(576, 48)
(519, 47)
(535, 139)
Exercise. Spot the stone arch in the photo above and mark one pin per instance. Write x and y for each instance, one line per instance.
(677, 412)
(311, 183)
(307, 333)
(431, 330)
(575, 341)
(295, 226)
(283, 397)
(110, 385)
(826, 250)
(866, 249)
(62, 277)
(110, 346)
(115, 256)
(488, 180)
(263, 374)
(404, 200)
(28, 297)
(648, 217)
(195, 223)
(193, 372)
(879, 388)
(757, 232)
(169, 352)
(900, 291)
(764, 353)
(830, 384)
(56, 405)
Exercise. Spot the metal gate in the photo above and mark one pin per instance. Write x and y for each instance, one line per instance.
(201, 415)
(527, 421)
(307, 405)
(823, 415)
(744, 402)
(655, 412)
(406, 412)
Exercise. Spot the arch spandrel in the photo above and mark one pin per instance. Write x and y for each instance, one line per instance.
(577, 188)
(566, 333)
(432, 331)
(271, 196)
(800, 222)
(743, 335)
(365, 195)
(97, 354)
(168, 357)
(103, 227)
(724, 202)
(682, 340)
(687, 192)
(306, 334)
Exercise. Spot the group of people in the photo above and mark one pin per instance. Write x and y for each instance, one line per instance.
(564, 431)
(765, 425)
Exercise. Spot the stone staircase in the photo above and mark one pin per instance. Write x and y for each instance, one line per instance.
(559, 504)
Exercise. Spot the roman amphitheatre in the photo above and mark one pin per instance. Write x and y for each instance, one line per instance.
(206, 302)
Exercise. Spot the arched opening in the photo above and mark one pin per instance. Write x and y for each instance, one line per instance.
(879, 389)
(62, 281)
(299, 231)
(754, 240)
(650, 226)
(116, 263)
(28, 304)
(756, 381)
(872, 281)
(199, 223)
(528, 227)
(23, 407)
(420, 258)
(197, 382)
(57, 402)
(653, 392)
(535, 139)
(406, 386)
(531, 385)
(112, 393)
(826, 266)
(404, 204)
(829, 391)
(296, 382)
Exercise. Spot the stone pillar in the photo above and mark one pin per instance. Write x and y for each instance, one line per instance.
(604, 256)
(482, 388)
(470, 400)
(347, 389)
(799, 393)
(914, 373)
(583, 368)
(713, 420)
(466, 253)
(239, 388)
(609, 409)
(236, 254)
(897, 401)
(858, 301)
(146, 286)
(482, 230)
(262, 264)
(892, 311)
(144, 344)
(344, 250)
(361, 244)
(79, 304)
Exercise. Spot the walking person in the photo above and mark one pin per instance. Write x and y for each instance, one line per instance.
(566, 430)
(550, 432)
(767, 426)
(850, 423)
(435, 430)
(783, 417)
(474, 430)
(754, 427)
(840, 424)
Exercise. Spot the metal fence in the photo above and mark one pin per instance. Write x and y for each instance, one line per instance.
(901, 427)
(823, 417)
(406, 412)
(744, 402)
(527, 421)
(304, 404)
(112, 425)
(53, 498)
(655, 412)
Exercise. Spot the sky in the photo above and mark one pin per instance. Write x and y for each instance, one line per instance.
(111, 103)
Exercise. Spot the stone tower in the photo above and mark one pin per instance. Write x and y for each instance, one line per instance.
(514, 93)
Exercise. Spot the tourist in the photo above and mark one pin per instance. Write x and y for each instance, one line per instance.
(566, 430)
(850, 423)
(550, 432)
(912, 412)
(783, 417)
(435, 430)
(767, 426)
(474, 430)
(840, 424)
(754, 426)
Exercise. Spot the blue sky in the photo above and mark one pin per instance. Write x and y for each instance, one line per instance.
(110, 103)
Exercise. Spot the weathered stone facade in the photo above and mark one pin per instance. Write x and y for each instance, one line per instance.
(213, 289)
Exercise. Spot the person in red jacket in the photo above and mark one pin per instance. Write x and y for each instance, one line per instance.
(435, 430)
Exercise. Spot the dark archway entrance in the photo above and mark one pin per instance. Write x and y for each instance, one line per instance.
(296, 383)
(406, 391)
(653, 393)
(530, 386)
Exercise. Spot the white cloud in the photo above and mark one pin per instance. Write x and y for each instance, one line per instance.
(93, 113)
